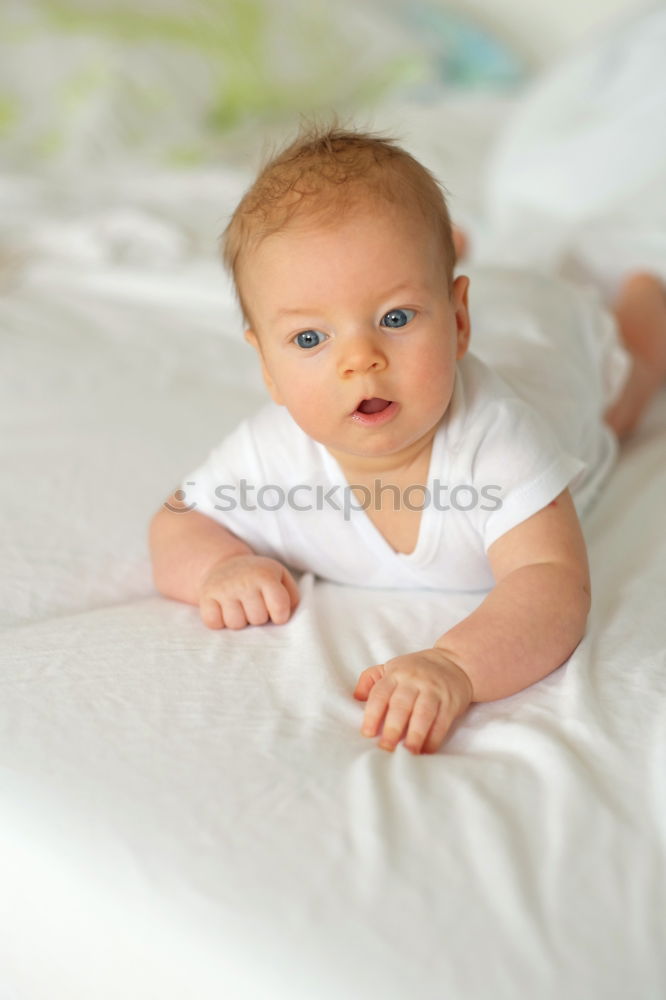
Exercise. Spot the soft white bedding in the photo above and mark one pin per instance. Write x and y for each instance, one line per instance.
(187, 812)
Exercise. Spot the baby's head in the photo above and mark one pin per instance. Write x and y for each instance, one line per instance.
(328, 172)
(342, 258)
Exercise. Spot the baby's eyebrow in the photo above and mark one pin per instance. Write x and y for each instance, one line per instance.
(402, 287)
(294, 312)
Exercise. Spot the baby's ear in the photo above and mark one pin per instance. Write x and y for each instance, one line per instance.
(461, 310)
(252, 339)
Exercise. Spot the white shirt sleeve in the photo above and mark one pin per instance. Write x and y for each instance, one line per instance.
(228, 483)
(519, 464)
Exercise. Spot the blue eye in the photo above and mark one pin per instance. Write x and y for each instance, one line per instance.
(308, 338)
(397, 318)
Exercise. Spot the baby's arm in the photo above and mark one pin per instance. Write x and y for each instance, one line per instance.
(535, 616)
(197, 560)
(526, 627)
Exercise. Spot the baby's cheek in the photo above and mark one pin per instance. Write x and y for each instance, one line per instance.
(308, 396)
(307, 403)
(434, 376)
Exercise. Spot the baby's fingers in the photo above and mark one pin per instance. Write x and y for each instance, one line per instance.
(233, 615)
(421, 734)
(278, 601)
(367, 681)
(399, 710)
(292, 588)
(227, 613)
(379, 699)
(211, 613)
(254, 608)
(439, 729)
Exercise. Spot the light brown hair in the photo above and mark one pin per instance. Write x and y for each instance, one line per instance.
(318, 176)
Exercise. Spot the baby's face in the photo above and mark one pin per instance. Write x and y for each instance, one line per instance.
(356, 312)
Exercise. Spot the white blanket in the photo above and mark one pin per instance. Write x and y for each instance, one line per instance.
(194, 813)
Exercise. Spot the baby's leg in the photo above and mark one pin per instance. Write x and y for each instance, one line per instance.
(640, 309)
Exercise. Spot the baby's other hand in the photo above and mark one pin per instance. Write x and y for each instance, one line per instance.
(247, 590)
(423, 691)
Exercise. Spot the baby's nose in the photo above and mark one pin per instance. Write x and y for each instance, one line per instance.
(360, 355)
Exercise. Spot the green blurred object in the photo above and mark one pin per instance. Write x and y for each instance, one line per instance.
(171, 79)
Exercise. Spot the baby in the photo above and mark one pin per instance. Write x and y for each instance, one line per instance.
(391, 455)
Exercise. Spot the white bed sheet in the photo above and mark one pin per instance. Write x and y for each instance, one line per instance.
(187, 812)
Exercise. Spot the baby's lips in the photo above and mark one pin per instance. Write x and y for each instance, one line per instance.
(374, 404)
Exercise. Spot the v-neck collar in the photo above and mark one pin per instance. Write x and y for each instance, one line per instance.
(429, 524)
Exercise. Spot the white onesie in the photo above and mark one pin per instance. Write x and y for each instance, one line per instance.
(524, 422)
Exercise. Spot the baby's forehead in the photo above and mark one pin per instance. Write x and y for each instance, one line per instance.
(324, 218)
(311, 216)
(401, 243)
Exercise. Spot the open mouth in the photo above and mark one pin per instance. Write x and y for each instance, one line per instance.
(374, 405)
(374, 411)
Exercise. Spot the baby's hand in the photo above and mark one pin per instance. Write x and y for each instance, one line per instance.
(247, 590)
(423, 690)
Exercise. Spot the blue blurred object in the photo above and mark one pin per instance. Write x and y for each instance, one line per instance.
(462, 53)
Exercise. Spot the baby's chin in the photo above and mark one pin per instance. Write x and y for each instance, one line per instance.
(381, 458)
(372, 447)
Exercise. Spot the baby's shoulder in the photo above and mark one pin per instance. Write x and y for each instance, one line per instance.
(489, 421)
(481, 397)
